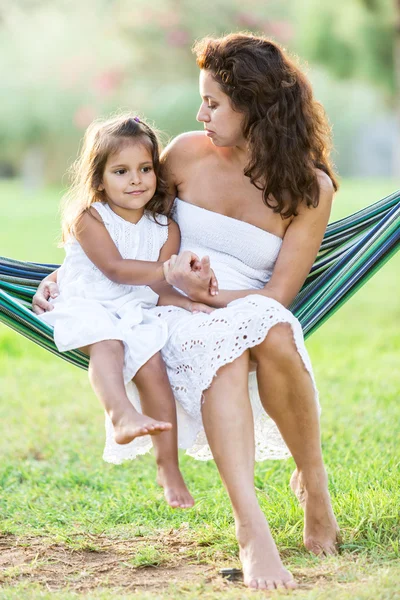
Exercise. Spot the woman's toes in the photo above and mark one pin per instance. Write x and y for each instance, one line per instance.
(280, 585)
(270, 585)
(253, 584)
(291, 584)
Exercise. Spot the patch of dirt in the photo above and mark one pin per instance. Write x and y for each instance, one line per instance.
(85, 563)
(102, 562)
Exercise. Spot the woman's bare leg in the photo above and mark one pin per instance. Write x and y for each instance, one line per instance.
(105, 374)
(228, 422)
(287, 394)
(157, 401)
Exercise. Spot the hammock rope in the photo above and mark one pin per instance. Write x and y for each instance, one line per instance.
(353, 249)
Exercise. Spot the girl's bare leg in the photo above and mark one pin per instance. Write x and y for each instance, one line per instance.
(158, 401)
(287, 394)
(105, 374)
(228, 422)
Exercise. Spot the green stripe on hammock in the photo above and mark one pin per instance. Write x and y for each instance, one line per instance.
(353, 249)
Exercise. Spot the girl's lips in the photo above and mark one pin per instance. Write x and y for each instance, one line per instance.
(135, 192)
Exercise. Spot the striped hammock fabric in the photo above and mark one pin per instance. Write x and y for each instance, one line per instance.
(353, 249)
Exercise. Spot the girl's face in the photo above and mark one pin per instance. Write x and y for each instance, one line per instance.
(223, 125)
(129, 180)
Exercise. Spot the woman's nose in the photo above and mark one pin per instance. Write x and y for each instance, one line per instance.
(202, 115)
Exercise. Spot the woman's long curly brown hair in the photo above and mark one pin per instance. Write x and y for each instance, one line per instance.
(286, 128)
(103, 138)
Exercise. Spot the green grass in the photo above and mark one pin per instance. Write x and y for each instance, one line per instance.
(55, 488)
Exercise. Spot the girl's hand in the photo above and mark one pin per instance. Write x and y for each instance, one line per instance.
(197, 307)
(191, 275)
(40, 301)
(203, 269)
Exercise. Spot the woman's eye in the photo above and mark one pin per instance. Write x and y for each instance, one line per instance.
(212, 106)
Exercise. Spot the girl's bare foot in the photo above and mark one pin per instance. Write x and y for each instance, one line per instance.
(175, 491)
(262, 566)
(130, 427)
(321, 531)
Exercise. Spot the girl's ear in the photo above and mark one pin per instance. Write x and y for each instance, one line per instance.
(101, 188)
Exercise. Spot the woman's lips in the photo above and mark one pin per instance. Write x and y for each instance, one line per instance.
(209, 132)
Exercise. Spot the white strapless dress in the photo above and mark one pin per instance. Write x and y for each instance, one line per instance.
(91, 308)
(243, 257)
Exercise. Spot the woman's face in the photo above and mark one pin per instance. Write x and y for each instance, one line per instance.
(223, 125)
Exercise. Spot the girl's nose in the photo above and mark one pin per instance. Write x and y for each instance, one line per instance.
(135, 178)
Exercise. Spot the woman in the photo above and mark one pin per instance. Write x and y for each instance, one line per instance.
(254, 193)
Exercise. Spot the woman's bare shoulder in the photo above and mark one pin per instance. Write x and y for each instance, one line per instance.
(325, 182)
(323, 208)
(186, 146)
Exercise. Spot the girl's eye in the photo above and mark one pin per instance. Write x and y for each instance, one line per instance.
(120, 171)
(147, 169)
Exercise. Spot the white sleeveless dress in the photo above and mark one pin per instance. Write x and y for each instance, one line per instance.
(91, 308)
(243, 257)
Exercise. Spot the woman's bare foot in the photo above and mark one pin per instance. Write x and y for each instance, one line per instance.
(175, 491)
(262, 566)
(136, 425)
(321, 531)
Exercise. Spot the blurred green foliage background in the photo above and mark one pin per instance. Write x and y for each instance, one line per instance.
(65, 62)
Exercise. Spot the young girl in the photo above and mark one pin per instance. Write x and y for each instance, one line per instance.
(103, 301)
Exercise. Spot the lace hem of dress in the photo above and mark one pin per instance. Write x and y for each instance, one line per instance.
(268, 440)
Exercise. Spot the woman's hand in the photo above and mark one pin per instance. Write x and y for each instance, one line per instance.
(40, 301)
(192, 275)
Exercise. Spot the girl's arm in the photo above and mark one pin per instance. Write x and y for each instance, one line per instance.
(299, 249)
(169, 296)
(101, 250)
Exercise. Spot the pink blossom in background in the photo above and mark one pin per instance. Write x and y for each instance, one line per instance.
(73, 70)
(168, 20)
(177, 38)
(248, 20)
(83, 116)
(136, 19)
(281, 30)
(108, 81)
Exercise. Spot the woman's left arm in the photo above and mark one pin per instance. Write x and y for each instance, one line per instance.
(299, 249)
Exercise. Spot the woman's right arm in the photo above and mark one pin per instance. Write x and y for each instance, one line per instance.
(47, 289)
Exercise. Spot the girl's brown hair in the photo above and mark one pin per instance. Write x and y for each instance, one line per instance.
(103, 138)
(286, 128)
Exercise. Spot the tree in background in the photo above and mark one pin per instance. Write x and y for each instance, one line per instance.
(357, 40)
(63, 63)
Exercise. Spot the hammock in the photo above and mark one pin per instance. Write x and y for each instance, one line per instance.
(352, 250)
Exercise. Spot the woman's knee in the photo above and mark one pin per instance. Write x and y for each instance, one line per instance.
(277, 346)
(235, 372)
